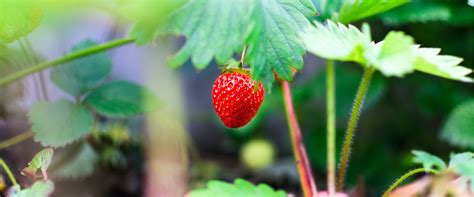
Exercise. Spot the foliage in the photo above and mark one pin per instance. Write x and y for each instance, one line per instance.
(461, 163)
(396, 55)
(17, 19)
(121, 99)
(240, 188)
(417, 12)
(41, 161)
(76, 161)
(79, 76)
(38, 189)
(59, 123)
(353, 10)
(458, 129)
(268, 28)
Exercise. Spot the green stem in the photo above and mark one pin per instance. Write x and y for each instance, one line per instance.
(404, 177)
(331, 126)
(299, 151)
(72, 56)
(354, 117)
(8, 171)
(16, 139)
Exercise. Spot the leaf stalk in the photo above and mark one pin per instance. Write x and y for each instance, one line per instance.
(405, 176)
(299, 151)
(331, 126)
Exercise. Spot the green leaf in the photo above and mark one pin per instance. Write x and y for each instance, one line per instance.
(77, 161)
(18, 19)
(240, 188)
(463, 164)
(121, 99)
(336, 41)
(393, 56)
(417, 12)
(41, 161)
(38, 189)
(274, 45)
(59, 123)
(148, 16)
(328, 8)
(213, 28)
(353, 10)
(396, 55)
(81, 75)
(458, 129)
(429, 161)
(429, 61)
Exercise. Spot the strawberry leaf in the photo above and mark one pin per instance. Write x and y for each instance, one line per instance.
(59, 123)
(76, 161)
(429, 161)
(41, 161)
(417, 12)
(353, 10)
(81, 75)
(458, 129)
(121, 99)
(38, 189)
(18, 19)
(240, 188)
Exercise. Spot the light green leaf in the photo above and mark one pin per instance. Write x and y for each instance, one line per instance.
(458, 129)
(59, 123)
(81, 75)
(463, 164)
(41, 161)
(336, 41)
(429, 61)
(417, 12)
(77, 161)
(393, 56)
(121, 99)
(429, 161)
(38, 189)
(213, 28)
(18, 19)
(274, 45)
(353, 10)
(240, 188)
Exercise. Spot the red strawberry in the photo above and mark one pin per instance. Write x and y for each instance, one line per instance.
(235, 98)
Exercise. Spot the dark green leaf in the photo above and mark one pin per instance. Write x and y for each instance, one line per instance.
(121, 99)
(18, 19)
(81, 75)
(459, 127)
(353, 10)
(417, 12)
(240, 188)
(59, 123)
(429, 161)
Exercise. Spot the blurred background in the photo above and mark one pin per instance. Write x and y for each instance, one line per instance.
(400, 115)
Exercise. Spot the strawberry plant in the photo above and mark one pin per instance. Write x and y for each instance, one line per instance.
(104, 121)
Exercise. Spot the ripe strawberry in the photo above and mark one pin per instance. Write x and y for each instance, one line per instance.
(235, 98)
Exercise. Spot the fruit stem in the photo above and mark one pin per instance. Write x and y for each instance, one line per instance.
(8, 171)
(354, 117)
(16, 139)
(242, 57)
(69, 57)
(405, 176)
(331, 126)
(299, 151)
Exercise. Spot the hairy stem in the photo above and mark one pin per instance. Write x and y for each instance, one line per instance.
(72, 56)
(299, 151)
(331, 126)
(16, 139)
(8, 171)
(404, 177)
(354, 117)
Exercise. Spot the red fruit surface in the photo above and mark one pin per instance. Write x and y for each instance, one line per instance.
(235, 98)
